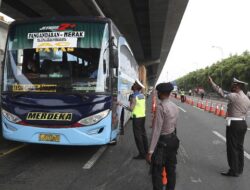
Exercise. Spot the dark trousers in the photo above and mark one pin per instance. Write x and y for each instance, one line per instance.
(166, 159)
(235, 134)
(140, 135)
(182, 98)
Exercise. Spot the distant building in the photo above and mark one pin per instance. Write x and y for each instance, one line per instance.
(3, 36)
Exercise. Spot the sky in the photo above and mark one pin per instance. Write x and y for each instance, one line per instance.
(210, 30)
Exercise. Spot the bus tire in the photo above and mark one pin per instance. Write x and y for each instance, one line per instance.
(113, 142)
(121, 127)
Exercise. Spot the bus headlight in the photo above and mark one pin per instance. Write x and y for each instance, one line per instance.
(93, 119)
(11, 117)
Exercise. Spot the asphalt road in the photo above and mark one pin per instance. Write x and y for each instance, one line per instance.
(201, 158)
(202, 155)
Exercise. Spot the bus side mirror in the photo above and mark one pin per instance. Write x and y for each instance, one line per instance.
(104, 66)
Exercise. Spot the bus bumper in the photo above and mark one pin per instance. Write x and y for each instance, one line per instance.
(97, 134)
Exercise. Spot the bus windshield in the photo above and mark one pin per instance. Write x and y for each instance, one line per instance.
(57, 57)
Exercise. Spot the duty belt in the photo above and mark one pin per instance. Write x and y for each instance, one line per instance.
(167, 136)
(229, 119)
(163, 138)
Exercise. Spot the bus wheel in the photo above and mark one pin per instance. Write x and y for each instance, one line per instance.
(113, 142)
(121, 127)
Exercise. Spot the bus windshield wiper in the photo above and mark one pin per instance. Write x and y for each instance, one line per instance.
(82, 96)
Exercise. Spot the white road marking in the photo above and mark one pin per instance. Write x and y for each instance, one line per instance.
(217, 142)
(219, 135)
(195, 180)
(94, 158)
(198, 108)
(183, 154)
(183, 151)
(224, 139)
(12, 150)
(181, 109)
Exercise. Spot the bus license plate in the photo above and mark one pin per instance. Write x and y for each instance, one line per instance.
(49, 137)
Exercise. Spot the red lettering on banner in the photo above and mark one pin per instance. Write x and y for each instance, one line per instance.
(66, 26)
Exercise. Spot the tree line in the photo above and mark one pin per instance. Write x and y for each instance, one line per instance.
(222, 72)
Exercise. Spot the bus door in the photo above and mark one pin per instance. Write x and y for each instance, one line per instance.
(114, 83)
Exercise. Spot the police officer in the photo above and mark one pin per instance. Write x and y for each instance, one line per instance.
(138, 109)
(202, 95)
(238, 105)
(164, 142)
(182, 95)
(190, 92)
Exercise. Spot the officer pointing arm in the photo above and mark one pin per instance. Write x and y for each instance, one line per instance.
(238, 105)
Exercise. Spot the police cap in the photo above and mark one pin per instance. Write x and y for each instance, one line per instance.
(137, 81)
(236, 81)
(164, 87)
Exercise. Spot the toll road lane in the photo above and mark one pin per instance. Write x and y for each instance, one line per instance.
(66, 167)
(11, 150)
(43, 166)
(117, 170)
(202, 154)
(201, 158)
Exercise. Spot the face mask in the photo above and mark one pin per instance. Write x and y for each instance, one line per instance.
(233, 88)
(159, 97)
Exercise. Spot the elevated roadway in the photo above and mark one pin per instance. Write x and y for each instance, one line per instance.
(150, 26)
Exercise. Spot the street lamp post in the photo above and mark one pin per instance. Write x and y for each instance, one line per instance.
(222, 55)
